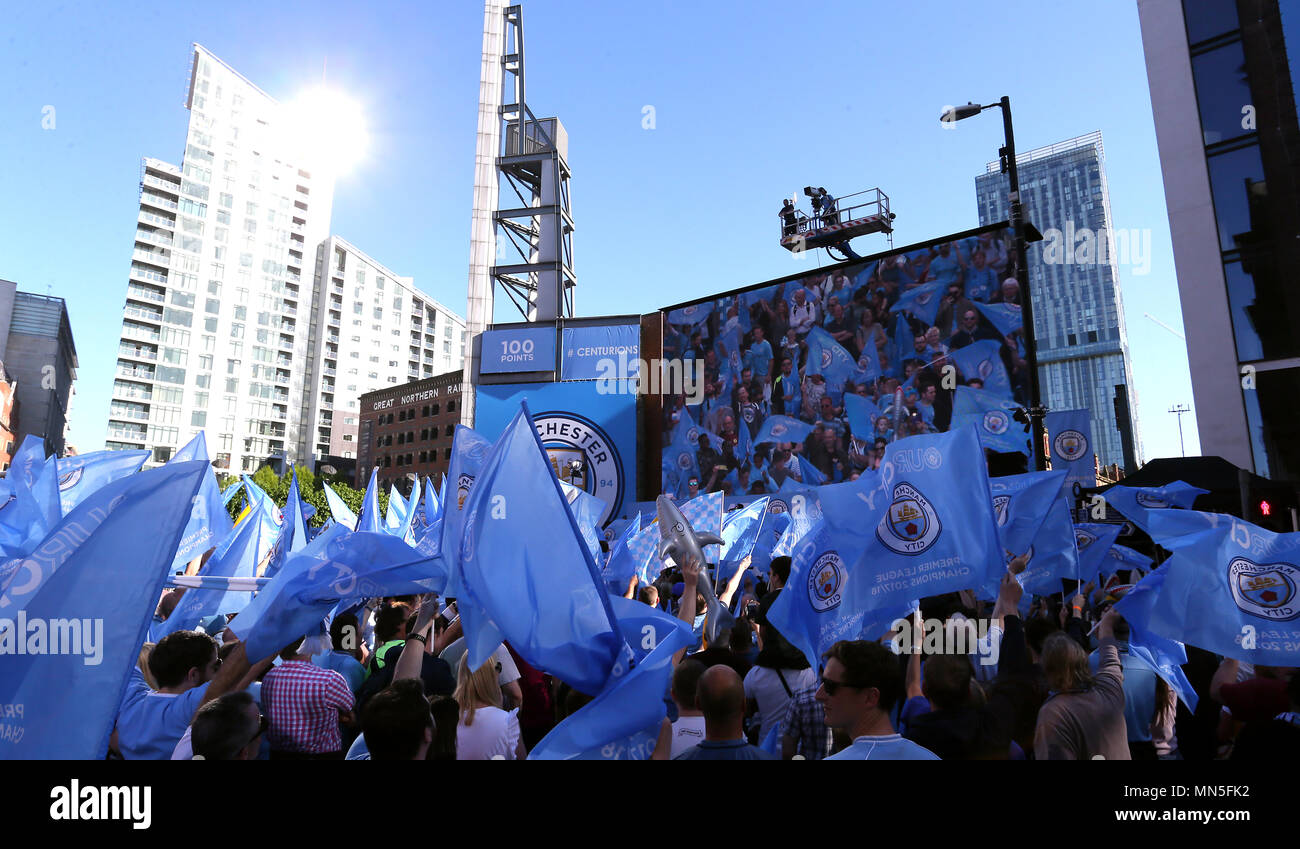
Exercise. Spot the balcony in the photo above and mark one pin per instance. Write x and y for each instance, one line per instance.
(153, 237)
(138, 353)
(333, 337)
(279, 412)
(140, 334)
(286, 344)
(126, 434)
(329, 371)
(159, 258)
(413, 373)
(127, 370)
(288, 310)
(282, 377)
(143, 314)
(134, 391)
(157, 201)
(148, 275)
(281, 397)
(284, 362)
(146, 217)
(144, 293)
(160, 183)
(128, 413)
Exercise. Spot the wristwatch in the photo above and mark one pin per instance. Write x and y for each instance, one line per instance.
(419, 637)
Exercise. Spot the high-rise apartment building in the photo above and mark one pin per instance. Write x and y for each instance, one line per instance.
(39, 362)
(373, 330)
(233, 288)
(1223, 97)
(1078, 311)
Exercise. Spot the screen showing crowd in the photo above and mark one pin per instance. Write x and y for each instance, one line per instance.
(807, 380)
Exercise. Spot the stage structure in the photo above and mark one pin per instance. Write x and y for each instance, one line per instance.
(522, 231)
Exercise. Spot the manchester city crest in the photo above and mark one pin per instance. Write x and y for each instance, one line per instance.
(997, 421)
(826, 358)
(463, 483)
(910, 525)
(1155, 502)
(1000, 505)
(1083, 539)
(984, 369)
(826, 582)
(69, 480)
(779, 428)
(1070, 445)
(1268, 591)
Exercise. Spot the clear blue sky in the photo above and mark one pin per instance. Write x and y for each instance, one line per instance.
(751, 101)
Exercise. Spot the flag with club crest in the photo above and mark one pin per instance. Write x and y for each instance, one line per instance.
(983, 359)
(922, 301)
(1093, 542)
(82, 474)
(1005, 317)
(993, 417)
(829, 359)
(1069, 437)
(782, 429)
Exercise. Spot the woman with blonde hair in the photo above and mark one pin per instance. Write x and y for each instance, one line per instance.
(1083, 718)
(485, 731)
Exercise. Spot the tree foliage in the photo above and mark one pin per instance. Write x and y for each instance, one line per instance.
(309, 488)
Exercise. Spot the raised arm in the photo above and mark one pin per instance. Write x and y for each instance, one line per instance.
(734, 583)
(417, 642)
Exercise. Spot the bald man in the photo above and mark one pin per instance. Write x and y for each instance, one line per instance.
(720, 696)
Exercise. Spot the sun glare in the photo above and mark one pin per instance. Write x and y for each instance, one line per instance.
(328, 128)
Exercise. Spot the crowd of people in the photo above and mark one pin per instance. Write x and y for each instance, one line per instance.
(392, 681)
(768, 352)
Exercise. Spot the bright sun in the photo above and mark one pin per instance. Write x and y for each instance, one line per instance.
(328, 128)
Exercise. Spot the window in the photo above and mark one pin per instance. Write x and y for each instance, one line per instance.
(198, 418)
(449, 430)
(236, 331)
(451, 406)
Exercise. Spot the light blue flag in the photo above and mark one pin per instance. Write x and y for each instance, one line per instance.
(338, 566)
(730, 361)
(1160, 511)
(1005, 317)
(812, 476)
(829, 359)
(468, 451)
(782, 429)
(804, 513)
(395, 515)
(829, 595)
(904, 345)
(923, 301)
(428, 510)
(1123, 557)
(679, 456)
(704, 512)
(254, 492)
(370, 519)
(983, 359)
(621, 565)
(741, 530)
(33, 509)
(1164, 655)
(295, 517)
(1069, 436)
(209, 522)
(82, 474)
(643, 551)
(860, 412)
(1053, 555)
(1232, 589)
(690, 433)
(231, 491)
(79, 623)
(546, 600)
(404, 530)
(868, 368)
(744, 448)
(622, 721)
(237, 556)
(587, 510)
(1021, 504)
(992, 417)
(1093, 541)
(690, 316)
(339, 510)
(937, 533)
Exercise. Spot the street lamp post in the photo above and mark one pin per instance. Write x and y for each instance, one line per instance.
(1036, 411)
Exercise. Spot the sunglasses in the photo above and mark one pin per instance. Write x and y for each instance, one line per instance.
(831, 687)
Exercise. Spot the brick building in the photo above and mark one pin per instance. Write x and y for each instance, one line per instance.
(408, 429)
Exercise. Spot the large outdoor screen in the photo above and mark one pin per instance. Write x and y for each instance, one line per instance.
(807, 378)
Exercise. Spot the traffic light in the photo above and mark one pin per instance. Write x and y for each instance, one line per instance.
(1265, 509)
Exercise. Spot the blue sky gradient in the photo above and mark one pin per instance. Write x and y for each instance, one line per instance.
(751, 101)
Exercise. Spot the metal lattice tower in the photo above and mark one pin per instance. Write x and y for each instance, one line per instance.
(522, 231)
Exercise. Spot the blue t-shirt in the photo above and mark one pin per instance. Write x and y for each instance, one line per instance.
(981, 283)
(759, 358)
(725, 750)
(150, 724)
(884, 747)
(1139, 693)
(344, 664)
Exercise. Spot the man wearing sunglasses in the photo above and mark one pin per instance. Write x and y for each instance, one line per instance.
(228, 729)
(859, 686)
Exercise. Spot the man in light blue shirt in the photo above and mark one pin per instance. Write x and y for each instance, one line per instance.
(1140, 684)
(859, 686)
(149, 722)
(759, 356)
